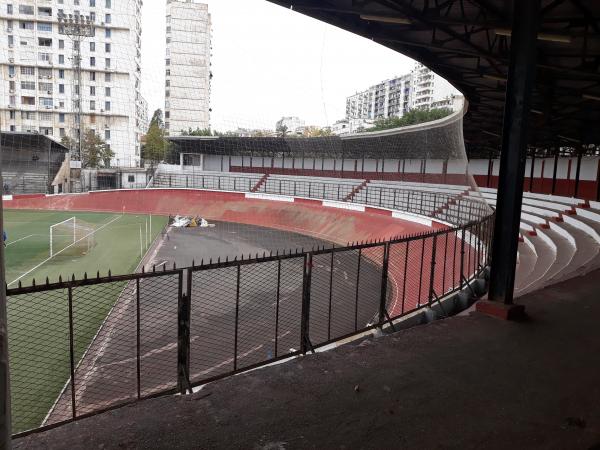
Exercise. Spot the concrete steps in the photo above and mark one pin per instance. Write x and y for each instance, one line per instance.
(566, 241)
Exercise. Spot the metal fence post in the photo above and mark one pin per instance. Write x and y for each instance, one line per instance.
(462, 257)
(384, 282)
(72, 352)
(432, 277)
(183, 335)
(357, 290)
(305, 344)
(138, 362)
(237, 317)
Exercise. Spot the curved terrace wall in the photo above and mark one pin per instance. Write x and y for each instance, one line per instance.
(307, 216)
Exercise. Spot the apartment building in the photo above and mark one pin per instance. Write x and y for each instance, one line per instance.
(188, 71)
(39, 88)
(421, 88)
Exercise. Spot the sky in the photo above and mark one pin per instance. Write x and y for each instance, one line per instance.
(269, 62)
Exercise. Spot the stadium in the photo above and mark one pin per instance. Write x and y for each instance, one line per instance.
(238, 253)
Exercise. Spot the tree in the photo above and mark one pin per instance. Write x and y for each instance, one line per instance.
(156, 147)
(316, 132)
(157, 119)
(282, 130)
(412, 117)
(95, 152)
(197, 132)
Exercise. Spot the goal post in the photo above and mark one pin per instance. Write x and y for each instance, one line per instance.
(71, 237)
(62, 232)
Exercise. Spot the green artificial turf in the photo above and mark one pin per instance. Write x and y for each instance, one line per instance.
(38, 323)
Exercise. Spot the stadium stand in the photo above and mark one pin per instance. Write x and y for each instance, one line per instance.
(29, 162)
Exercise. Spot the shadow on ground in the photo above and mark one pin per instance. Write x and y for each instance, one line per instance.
(466, 382)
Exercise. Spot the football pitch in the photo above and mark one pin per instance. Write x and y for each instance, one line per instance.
(38, 323)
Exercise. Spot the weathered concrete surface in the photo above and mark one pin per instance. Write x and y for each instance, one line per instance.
(466, 382)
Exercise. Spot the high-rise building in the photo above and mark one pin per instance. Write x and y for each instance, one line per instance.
(188, 72)
(420, 88)
(38, 91)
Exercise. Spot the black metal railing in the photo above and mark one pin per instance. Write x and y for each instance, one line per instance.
(453, 205)
(79, 347)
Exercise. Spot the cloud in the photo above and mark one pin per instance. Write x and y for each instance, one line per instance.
(269, 61)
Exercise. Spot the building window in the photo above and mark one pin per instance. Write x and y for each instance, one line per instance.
(107, 18)
(107, 77)
(107, 33)
(107, 92)
(92, 76)
(61, 88)
(28, 100)
(61, 131)
(107, 47)
(26, 25)
(46, 87)
(43, 26)
(61, 74)
(12, 115)
(29, 85)
(107, 135)
(26, 9)
(9, 9)
(92, 46)
(107, 63)
(92, 3)
(46, 101)
(92, 105)
(93, 61)
(107, 106)
(61, 44)
(61, 59)
(44, 57)
(92, 91)
(46, 116)
(108, 4)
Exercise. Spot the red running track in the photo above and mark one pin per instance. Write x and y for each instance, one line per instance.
(410, 276)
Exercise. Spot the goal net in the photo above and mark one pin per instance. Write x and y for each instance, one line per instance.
(71, 237)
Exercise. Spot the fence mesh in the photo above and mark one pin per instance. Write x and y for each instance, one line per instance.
(88, 345)
(158, 332)
(212, 322)
(39, 349)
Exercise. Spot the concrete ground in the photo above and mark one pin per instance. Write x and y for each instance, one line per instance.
(471, 381)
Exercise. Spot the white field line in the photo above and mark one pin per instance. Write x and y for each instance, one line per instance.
(23, 238)
(59, 252)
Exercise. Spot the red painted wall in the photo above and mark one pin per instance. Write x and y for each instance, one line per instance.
(309, 217)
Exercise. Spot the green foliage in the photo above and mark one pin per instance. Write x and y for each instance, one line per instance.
(157, 118)
(317, 132)
(156, 147)
(197, 132)
(412, 117)
(95, 152)
(226, 133)
(282, 130)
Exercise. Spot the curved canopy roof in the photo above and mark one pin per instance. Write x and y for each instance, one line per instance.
(468, 43)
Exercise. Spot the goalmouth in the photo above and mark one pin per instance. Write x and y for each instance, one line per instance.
(70, 234)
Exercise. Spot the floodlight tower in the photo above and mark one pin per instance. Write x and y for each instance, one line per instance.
(77, 27)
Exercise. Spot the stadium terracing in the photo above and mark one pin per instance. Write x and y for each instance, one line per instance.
(409, 226)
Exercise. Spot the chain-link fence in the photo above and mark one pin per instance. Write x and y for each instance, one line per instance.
(78, 347)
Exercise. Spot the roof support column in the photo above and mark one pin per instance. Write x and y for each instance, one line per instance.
(512, 159)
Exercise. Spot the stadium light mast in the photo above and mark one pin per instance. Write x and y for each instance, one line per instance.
(77, 27)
